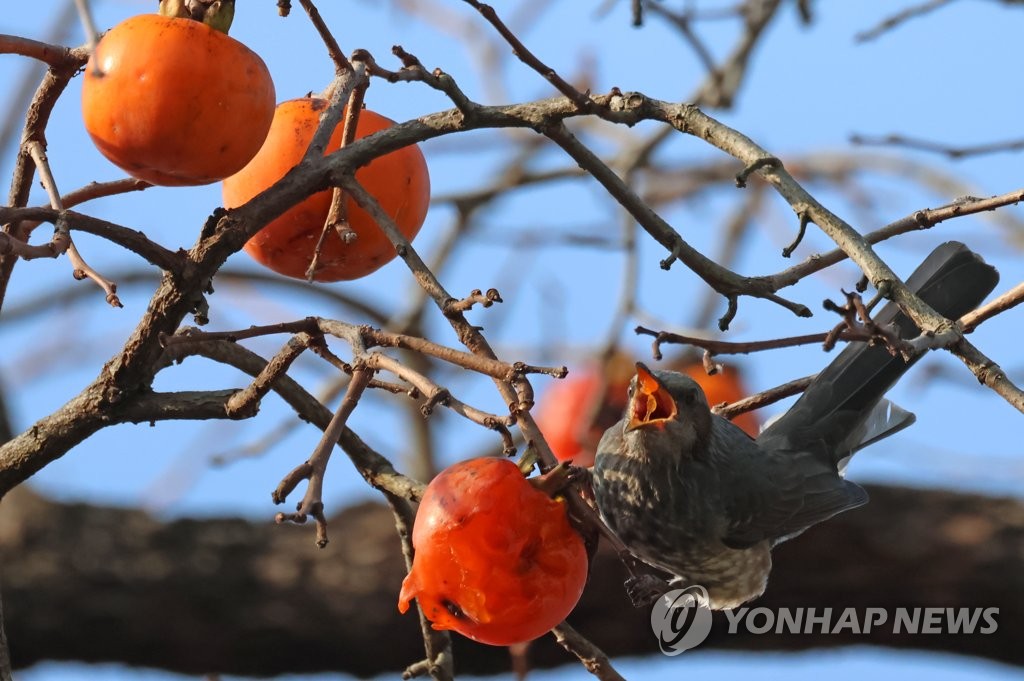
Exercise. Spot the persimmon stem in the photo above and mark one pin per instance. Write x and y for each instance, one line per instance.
(217, 14)
(175, 9)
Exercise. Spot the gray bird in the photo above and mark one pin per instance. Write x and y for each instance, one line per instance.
(692, 494)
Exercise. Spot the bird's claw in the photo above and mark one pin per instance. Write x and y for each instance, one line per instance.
(643, 590)
(554, 481)
(578, 474)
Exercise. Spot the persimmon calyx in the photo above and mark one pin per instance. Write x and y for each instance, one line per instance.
(529, 459)
(217, 14)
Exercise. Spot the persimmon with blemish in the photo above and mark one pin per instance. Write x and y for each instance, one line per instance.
(496, 557)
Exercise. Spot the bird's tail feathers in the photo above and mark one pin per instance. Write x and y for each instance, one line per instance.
(887, 418)
(834, 409)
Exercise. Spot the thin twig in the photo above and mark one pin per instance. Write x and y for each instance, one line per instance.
(247, 400)
(900, 17)
(594, 660)
(475, 297)
(345, 99)
(363, 337)
(82, 270)
(436, 395)
(582, 99)
(62, 236)
(921, 219)
(337, 214)
(35, 149)
(315, 467)
(50, 88)
(129, 239)
(88, 25)
(764, 398)
(955, 153)
(93, 190)
(1012, 298)
(413, 71)
(439, 663)
(334, 51)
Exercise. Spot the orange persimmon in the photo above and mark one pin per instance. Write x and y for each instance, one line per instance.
(574, 412)
(175, 102)
(398, 180)
(496, 558)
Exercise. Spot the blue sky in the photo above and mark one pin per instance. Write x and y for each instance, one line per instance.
(948, 77)
(846, 664)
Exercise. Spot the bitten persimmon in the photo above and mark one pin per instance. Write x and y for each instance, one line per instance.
(496, 558)
(175, 102)
(398, 180)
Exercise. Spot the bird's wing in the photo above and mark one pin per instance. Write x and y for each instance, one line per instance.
(772, 495)
(787, 515)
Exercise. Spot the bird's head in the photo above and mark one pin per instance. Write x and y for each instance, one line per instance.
(667, 402)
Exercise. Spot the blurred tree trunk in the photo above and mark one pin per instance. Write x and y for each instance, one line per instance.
(105, 584)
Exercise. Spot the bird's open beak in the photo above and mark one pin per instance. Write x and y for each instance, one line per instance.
(651, 403)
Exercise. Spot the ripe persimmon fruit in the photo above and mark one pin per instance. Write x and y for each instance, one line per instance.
(575, 411)
(561, 412)
(496, 558)
(398, 180)
(175, 102)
